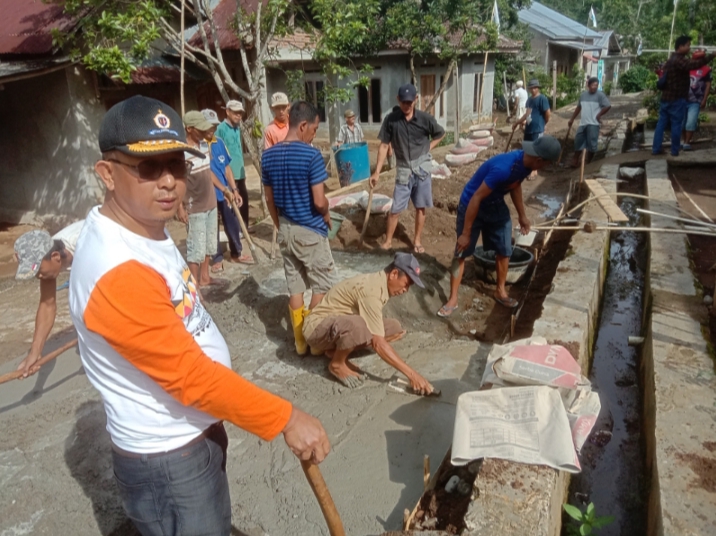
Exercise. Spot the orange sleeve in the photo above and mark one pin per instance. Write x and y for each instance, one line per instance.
(131, 308)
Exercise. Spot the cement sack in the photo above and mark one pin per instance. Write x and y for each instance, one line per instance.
(471, 148)
(477, 134)
(460, 159)
(381, 204)
(440, 171)
(347, 200)
(520, 424)
(484, 142)
(631, 172)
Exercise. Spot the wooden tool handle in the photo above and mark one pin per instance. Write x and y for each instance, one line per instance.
(49, 357)
(367, 215)
(564, 143)
(274, 238)
(325, 501)
(507, 147)
(244, 231)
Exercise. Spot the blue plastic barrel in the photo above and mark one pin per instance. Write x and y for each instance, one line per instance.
(353, 162)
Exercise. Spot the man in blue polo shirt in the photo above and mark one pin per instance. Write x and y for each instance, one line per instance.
(482, 209)
(293, 174)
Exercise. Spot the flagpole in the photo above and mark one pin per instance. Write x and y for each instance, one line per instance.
(673, 18)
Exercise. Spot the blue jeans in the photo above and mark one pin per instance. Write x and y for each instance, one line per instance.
(183, 492)
(231, 228)
(671, 115)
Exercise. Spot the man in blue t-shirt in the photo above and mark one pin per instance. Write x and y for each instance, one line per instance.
(536, 117)
(482, 210)
(293, 174)
(219, 163)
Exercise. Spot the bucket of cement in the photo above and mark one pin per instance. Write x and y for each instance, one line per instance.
(485, 264)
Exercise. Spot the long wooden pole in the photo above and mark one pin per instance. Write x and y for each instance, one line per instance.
(673, 19)
(482, 87)
(181, 63)
(36, 367)
(323, 496)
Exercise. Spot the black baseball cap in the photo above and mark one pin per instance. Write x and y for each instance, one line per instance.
(546, 148)
(409, 264)
(140, 126)
(407, 93)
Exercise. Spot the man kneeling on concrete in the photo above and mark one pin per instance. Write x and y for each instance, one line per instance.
(350, 317)
(482, 210)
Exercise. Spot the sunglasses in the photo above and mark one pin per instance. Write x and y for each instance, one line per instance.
(151, 170)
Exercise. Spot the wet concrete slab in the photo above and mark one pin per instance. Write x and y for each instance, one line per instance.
(514, 498)
(680, 386)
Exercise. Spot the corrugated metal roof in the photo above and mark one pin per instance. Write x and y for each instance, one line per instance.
(18, 69)
(161, 70)
(26, 25)
(576, 45)
(553, 24)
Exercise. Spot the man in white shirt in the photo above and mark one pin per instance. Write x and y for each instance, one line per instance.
(41, 256)
(520, 95)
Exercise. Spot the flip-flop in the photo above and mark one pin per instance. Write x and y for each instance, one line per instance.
(244, 259)
(418, 249)
(217, 268)
(446, 311)
(507, 302)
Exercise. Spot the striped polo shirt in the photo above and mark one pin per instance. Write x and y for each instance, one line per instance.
(291, 169)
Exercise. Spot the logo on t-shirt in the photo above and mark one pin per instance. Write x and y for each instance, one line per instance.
(184, 303)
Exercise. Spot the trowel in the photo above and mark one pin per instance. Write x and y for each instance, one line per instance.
(398, 384)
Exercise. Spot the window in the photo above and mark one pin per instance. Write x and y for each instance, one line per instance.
(369, 109)
(476, 93)
(314, 95)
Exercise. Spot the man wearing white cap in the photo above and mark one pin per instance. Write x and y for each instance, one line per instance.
(520, 95)
(41, 256)
(278, 128)
(229, 130)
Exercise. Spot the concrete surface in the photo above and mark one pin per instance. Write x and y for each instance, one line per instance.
(55, 465)
(679, 385)
(513, 498)
(700, 158)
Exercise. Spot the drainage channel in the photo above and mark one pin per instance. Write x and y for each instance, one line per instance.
(613, 459)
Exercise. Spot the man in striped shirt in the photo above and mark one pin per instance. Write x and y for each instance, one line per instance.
(293, 174)
(351, 132)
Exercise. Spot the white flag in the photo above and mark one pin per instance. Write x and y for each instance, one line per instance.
(496, 16)
(593, 17)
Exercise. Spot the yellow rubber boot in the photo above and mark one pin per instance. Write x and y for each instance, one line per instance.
(297, 323)
(314, 351)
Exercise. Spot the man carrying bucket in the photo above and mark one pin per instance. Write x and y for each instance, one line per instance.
(482, 210)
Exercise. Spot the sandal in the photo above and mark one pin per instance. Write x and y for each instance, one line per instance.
(217, 268)
(244, 259)
(446, 311)
(507, 302)
(418, 249)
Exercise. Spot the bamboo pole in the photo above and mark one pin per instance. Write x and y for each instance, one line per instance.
(676, 218)
(482, 88)
(634, 229)
(182, 55)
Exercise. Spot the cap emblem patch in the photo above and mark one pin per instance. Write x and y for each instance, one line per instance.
(161, 120)
(417, 270)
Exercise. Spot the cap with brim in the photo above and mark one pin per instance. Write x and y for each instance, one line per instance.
(30, 249)
(533, 83)
(234, 106)
(141, 126)
(197, 120)
(546, 148)
(407, 93)
(279, 99)
(349, 113)
(409, 264)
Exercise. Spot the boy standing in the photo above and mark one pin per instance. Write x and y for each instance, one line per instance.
(277, 130)
(229, 130)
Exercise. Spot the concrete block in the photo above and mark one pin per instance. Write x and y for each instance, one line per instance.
(679, 386)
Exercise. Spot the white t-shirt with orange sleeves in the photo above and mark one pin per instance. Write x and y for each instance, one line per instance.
(151, 348)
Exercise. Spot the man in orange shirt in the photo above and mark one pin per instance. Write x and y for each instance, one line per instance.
(150, 347)
(278, 128)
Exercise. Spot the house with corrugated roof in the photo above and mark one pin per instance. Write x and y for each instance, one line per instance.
(557, 38)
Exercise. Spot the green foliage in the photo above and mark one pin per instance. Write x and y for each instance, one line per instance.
(635, 79)
(608, 88)
(115, 35)
(703, 118)
(448, 139)
(569, 87)
(584, 523)
(295, 85)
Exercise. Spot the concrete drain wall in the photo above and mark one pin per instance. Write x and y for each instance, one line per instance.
(679, 383)
(513, 498)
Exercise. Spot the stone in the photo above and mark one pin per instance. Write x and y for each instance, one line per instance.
(631, 172)
(708, 300)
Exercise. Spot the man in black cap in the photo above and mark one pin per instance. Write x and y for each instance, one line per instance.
(536, 117)
(150, 347)
(350, 317)
(482, 210)
(412, 134)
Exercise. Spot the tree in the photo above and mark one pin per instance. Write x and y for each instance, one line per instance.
(117, 35)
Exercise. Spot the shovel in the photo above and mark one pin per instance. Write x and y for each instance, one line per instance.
(507, 147)
(564, 144)
(323, 496)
